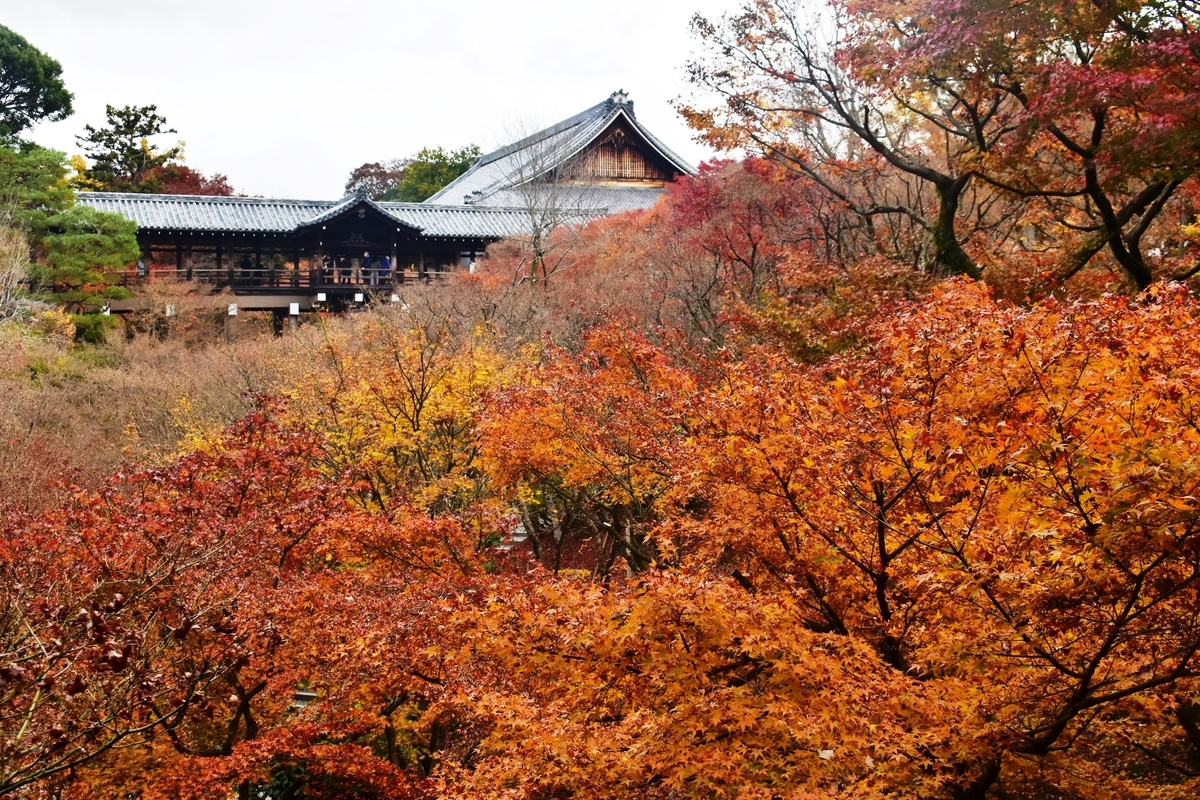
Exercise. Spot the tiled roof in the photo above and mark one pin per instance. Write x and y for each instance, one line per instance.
(196, 213)
(534, 156)
(466, 221)
(261, 215)
(335, 210)
(605, 199)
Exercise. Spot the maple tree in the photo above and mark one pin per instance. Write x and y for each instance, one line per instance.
(407, 431)
(377, 179)
(584, 447)
(716, 241)
(179, 179)
(1105, 133)
(1059, 127)
(957, 556)
(961, 507)
(120, 618)
(758, 503)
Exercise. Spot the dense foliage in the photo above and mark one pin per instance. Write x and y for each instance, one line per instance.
(960, 557)
(122, 153)
(79, 254)
(414, 179)
(87, 252)
(31, 86)
(124, 158)
(764, 495)
(954, 131)
(432, 169)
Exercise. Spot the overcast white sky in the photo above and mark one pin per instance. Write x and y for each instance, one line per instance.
(286, 97)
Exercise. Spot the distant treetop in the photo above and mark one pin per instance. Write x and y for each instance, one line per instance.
(414, 179)
(431, 169)
(377, 178)
(121, 153)
(124, 159)
(31, 86)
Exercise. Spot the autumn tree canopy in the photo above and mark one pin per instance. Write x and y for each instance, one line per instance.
(863, 466)
(973, 126)
(958, 559)
(413, 179)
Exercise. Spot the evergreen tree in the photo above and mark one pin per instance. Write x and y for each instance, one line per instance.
(123, 157)
(33, 181)
(430, 170)
(31, 86)
(86, 253)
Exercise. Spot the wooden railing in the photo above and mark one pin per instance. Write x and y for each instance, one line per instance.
(238, 278)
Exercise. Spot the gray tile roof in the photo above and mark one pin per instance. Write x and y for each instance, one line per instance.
(163, 212)
(336, 209)
(464, 221)
(605, 199)
(195, 213)
(534, 156)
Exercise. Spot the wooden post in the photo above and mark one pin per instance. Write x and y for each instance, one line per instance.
(178, 259)
(231, 324)
(295, 266)
(189, 262)
(219, 254)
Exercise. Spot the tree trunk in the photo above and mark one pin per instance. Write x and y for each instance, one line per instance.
(951, 258)
(978, 788)
(1131, 261)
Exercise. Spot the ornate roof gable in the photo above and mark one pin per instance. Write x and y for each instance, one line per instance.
(491, 176)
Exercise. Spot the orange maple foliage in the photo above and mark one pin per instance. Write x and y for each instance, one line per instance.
(736, 501)
(956, 558)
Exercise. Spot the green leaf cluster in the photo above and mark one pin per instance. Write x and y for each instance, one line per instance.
(33, 185)
(122, 155)
(79, 253)
(430, 170)
(31, 86)
(86, 252)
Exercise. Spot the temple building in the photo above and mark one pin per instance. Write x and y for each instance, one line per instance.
(605, 149)
(280, 252)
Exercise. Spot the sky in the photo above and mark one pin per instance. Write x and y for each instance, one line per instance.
(286, 97)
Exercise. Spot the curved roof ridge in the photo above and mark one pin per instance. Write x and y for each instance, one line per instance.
(510, 166)
(206, 198)
(396, 205)
(607, 106)
(348, 202)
